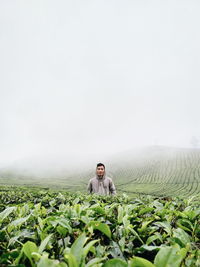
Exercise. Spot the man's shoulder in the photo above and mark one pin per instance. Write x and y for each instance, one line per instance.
(110, 179)
(92, 179)
(106, 178)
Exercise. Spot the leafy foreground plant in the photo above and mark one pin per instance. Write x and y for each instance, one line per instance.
(46, 228)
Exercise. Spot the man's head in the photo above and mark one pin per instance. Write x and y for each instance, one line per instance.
(100, 170)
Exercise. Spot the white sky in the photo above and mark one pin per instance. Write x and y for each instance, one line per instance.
(97, 77)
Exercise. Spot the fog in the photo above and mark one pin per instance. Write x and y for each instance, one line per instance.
(84, 80)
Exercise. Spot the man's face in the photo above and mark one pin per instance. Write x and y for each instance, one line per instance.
(100, 171)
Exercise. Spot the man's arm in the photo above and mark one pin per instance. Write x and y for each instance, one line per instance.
(89, 187)
(112, 188)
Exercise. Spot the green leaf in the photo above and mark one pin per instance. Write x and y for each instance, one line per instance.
(22, 234)
(44, 243)
(168, 256)
(19, 221)
(85, 219)
(115, 250)
(36, 256)
(183, 252)
(166, 226)
(94, 262)
(120, 214)
(181, 235)
(115, 263)
(140, 262)
(6, 212)
(98, 210)
(135, 234)
(65, 223)
(61, 230)
(72, 262)
(126, 221)
(18, 258)
(185, 224)
(87, 248)
(192, 214)
(145, 210)
(103, 227)
(149, 248)
(144, 226)
(46, 262)
(156, 236)
(28, 248)
(77, 247)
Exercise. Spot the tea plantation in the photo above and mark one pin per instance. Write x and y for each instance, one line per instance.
(57, 228)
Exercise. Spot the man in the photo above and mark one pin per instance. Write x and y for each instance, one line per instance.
(101, 184)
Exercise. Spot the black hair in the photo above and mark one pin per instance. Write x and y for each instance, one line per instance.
(100, 164)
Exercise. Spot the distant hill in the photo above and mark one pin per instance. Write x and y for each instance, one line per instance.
(156, 170)
(160, 171)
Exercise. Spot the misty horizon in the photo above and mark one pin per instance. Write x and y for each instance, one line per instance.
(82, 81)
(66, 166)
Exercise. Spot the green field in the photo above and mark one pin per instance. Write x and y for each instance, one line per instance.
(59, 229)
(153, 221)
(159, 171)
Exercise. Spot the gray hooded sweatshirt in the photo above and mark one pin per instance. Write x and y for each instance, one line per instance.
(101, 186)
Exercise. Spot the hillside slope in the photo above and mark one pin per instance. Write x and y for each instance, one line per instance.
(152, 170)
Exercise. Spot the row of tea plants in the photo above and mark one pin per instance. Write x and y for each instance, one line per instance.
(47, 228)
